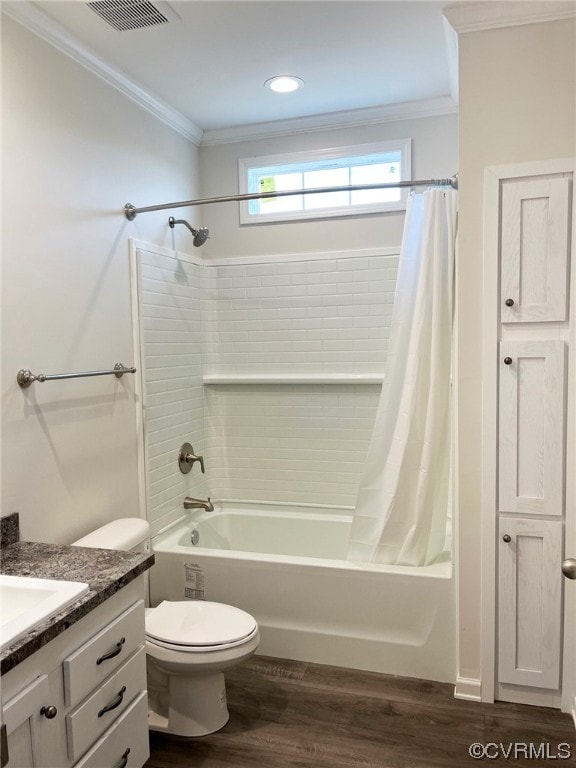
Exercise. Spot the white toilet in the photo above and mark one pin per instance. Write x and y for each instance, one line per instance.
(189, 646)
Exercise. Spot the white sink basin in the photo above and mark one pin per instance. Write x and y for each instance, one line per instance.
(26, 602)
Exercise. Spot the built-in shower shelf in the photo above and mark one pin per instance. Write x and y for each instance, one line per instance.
(313, 378)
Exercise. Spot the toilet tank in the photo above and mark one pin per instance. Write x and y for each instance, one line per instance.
(127, 533)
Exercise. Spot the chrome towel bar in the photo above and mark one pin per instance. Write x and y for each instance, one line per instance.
(26, 377)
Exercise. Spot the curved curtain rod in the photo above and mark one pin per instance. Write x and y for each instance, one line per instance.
(131, 211)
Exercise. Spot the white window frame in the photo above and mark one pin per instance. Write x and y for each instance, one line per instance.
(247, 164)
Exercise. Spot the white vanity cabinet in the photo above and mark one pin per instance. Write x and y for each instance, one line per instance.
(27, 736)
(81, 699)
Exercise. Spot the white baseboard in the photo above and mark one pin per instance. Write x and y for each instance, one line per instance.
(468, 688)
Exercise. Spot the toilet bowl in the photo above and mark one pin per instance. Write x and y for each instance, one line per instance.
(189, 646)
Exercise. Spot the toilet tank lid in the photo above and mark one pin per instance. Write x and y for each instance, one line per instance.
(125, 533)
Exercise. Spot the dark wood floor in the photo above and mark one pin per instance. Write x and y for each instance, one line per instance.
(290, 713)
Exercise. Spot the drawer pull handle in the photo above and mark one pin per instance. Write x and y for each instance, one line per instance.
(507, 361)
(124, 760)
(116, 703)
(49, 712)
(115, 652)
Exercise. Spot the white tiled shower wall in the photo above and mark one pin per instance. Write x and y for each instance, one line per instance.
(171, 292)
(280, 442)
(289, 443)
(300, 443)
(310, 316)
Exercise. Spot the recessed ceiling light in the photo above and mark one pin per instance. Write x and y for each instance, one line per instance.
(284, 83)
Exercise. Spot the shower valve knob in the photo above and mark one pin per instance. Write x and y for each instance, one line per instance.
(187, 457)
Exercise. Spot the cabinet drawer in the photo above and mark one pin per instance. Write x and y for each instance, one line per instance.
(94, 661)
(125, 744)
(89, 721)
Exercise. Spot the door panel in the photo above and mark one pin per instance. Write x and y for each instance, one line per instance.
(530, 602)
(531, 459)
(535, 246)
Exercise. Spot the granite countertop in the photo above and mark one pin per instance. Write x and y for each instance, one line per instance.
(105, 571)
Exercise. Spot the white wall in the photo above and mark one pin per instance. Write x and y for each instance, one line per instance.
(517, 103)
(434, 154)
(74, 151)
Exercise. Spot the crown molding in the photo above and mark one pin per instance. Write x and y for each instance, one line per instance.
(451, 43)
(33, 19)
(478, 16)
(442, 105)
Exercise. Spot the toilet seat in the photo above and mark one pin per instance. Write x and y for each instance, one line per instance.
(152, 643)
(198, 626)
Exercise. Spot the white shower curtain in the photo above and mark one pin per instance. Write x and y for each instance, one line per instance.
(402, 502)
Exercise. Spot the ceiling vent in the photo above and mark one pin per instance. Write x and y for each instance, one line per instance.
(124, 15)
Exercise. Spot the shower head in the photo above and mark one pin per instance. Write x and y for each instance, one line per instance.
(200, 235)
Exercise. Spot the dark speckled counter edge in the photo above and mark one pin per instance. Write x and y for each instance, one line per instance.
(105, 571)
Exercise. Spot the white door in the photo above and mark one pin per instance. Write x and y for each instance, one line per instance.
(569, 676)
(569, 663)
(535, 249)
(530, 602)
(25, 724)
(531, 427)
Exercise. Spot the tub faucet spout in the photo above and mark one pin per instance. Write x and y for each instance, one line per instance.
(190, 503)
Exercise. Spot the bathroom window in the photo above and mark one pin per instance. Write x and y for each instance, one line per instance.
(380, 163)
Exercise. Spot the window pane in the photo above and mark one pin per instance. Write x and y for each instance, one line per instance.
(280, 182)
(335, 177)
(381, 173)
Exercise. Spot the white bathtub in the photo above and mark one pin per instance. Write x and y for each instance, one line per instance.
(287, 569)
